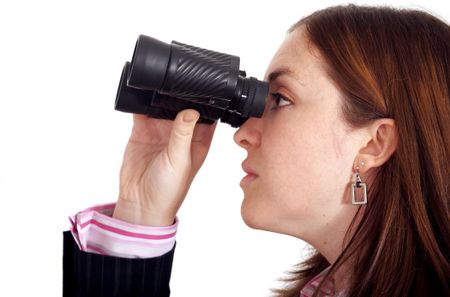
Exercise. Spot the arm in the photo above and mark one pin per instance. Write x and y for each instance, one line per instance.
(160, 161)
(88, 274)
(103, 255)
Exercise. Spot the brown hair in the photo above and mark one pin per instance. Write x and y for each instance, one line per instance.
(391, 63)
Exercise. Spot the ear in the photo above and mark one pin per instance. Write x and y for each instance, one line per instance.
(380, 145)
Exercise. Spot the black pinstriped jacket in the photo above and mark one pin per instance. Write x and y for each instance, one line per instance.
(93, 275)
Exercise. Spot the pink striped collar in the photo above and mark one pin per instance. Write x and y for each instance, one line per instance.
(327, 289)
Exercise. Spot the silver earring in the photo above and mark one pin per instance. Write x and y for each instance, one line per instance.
(359, 184)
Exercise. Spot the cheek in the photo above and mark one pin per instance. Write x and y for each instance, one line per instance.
(300, 154)
(278, 196)
(306, 166)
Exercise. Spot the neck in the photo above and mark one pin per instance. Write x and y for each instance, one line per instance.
(333, 242)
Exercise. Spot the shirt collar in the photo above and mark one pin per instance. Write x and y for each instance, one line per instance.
(327, 289)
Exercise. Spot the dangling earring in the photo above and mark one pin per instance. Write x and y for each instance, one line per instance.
(359, 184)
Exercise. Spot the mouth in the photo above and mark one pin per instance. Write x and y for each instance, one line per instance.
(251, 175)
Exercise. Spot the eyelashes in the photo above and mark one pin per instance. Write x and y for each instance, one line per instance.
(278, 101)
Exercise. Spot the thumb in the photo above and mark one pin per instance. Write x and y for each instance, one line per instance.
(181, 135)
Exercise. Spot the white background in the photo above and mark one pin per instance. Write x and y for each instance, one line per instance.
(62, 142)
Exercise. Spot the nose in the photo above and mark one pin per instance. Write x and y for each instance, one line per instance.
(249, 134)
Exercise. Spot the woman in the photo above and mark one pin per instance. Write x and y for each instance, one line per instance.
(351, 155)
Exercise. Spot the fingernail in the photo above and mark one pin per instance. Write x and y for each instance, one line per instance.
(189, 117)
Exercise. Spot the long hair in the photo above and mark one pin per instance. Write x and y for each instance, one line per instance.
(392, 63)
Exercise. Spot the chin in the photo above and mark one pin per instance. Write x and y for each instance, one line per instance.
(251, 215)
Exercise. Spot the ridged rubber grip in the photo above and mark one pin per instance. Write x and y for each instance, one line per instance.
(196, 72)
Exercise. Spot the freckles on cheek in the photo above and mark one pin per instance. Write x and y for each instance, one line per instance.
(342, 140)
(337, 138)
(327, 134)
(286, 168)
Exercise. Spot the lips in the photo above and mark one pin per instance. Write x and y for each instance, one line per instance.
(247, 169)
(251, 175)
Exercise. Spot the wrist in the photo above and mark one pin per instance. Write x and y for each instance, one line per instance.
(133, 213)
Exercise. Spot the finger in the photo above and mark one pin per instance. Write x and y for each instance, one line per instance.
(139, 118)
(179, 145)
(203, 133)
(148, 130)
(201, 143)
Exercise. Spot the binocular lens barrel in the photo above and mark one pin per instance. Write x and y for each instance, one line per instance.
(176, 76)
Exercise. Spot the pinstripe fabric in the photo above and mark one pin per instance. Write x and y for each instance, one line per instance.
(94, 275)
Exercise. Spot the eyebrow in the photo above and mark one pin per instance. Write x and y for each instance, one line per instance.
(282, 71)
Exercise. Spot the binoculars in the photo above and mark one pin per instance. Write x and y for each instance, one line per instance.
(163, 79)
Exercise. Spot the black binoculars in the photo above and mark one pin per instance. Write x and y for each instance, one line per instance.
(163, 79)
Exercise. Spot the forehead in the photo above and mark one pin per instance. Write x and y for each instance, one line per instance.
(296, 55)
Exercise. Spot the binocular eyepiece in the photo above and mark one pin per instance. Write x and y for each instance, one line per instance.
(163, 79)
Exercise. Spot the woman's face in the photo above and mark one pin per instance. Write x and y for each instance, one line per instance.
(300, 152)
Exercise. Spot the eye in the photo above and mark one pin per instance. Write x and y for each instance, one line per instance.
(279, 100)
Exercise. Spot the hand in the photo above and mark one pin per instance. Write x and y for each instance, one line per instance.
(161, 159)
